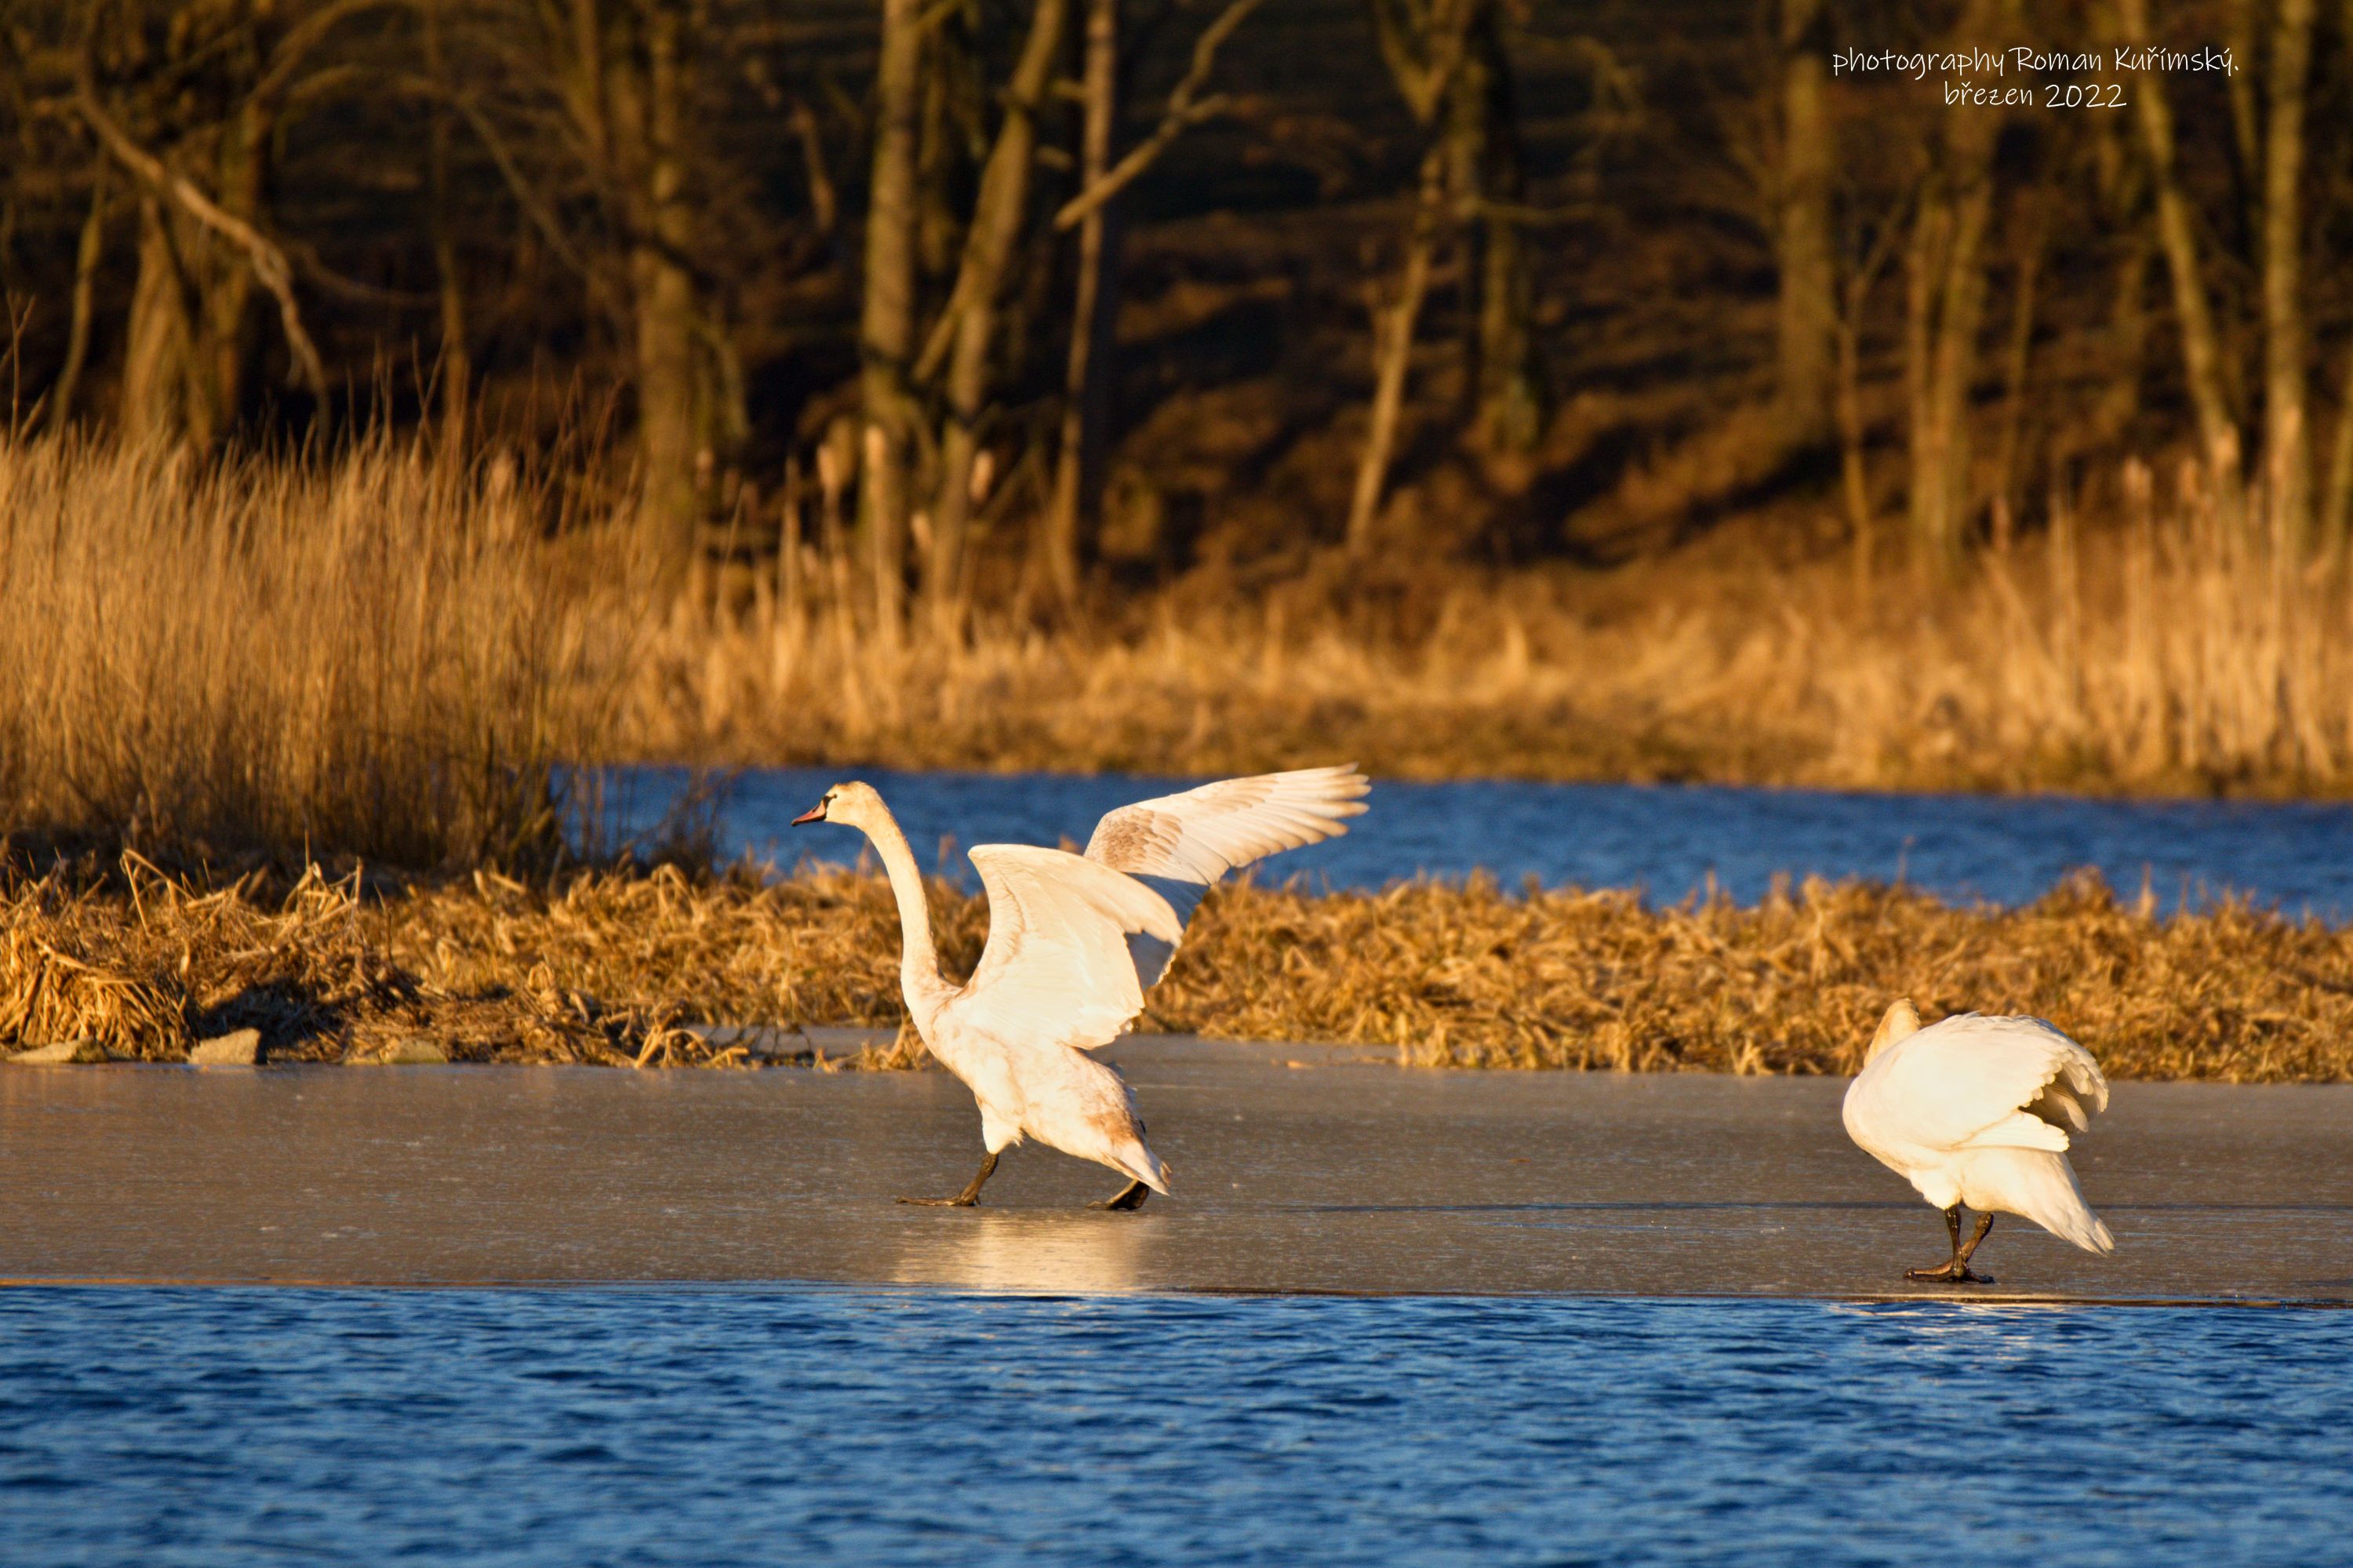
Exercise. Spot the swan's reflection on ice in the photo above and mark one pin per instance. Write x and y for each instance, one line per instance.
(1009, 1250)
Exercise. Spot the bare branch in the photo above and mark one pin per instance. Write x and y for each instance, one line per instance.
(825, 204)
(313, 267)
(1183, 111)
(268, 263)
(937, 12)
(305, 36)
(525, 196)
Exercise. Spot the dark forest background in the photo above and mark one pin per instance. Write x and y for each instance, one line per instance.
(1053, 292)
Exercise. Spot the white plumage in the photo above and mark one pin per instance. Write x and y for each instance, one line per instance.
(1073, 943)
(1976, 1112)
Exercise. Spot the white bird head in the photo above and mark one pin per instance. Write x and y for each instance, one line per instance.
(1900, 1023)
(854, 805)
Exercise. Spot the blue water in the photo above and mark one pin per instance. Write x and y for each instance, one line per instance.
(1667, 840)
(708, 1427)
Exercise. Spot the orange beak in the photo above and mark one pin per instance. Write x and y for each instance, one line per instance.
(814, 814)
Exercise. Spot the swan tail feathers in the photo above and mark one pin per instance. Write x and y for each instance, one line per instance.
(2039, 1185)
(1145, 1166)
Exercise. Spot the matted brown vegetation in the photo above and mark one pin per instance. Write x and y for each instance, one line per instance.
(607, 968)
(145, 965)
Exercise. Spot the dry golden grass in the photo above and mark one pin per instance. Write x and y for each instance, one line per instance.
(2168, 651)
(606, 968)
(373, 655)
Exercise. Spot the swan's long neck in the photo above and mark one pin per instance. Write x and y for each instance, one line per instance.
(919, 963)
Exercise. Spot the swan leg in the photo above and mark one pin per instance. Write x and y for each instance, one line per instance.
(1985, 1223)
(968, 1199)
(1956, 1270)
(1131, 1196)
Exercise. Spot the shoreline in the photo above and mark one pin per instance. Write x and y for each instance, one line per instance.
(1634, 758)
(1330, 1179)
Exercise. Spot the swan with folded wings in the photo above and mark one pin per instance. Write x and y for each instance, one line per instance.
(1074, 940)
(1978, 1112)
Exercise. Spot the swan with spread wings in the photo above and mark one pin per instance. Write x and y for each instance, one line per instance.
(1074, 940)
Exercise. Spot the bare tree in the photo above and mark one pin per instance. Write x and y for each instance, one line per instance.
(457, 367)
(1871, 250)
(203, 240)
(626, 75)
(887, 322)
(1088, 373)
(1424, 42)
(2286, 461)
(1488, 176)
(1086, 378)
(1809, 312)
(1946, 287)
(87, 253)
(969, 326)
(2201, 356)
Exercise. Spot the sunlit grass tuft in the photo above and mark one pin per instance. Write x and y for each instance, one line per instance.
(374, 655)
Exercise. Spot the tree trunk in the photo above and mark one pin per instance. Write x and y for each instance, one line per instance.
(1428, 47)
(668, 425)
(676, 415)
(999, 218)
(159, 350)
(189, 344)
(1393, 347)
(2019, 361)
(456, 369)
(1955, 366)
(1946, 306)
(1854, 310)
(1854, 473)
(1507, 371)
(87, 255)
(2241, 32)
(2122, 191)
(2336, 514)
(226, 306)
(1922, 272)
(2286, 442)
(952, 101)
(1087, 376)
(1809, 289)
(887, 324)
(2201, 357)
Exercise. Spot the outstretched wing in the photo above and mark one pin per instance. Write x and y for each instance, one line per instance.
(1969, 1082)
(1057, 968)
(1201, 834)
(1183, 843)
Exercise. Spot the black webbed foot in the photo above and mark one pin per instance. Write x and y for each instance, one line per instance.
(1129, 1197)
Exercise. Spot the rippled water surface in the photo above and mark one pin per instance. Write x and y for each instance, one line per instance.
(1666, 839)
(573, 1427)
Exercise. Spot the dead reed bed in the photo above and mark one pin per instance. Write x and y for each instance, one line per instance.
(2172, 649)
(374, 654)
(1466, 976)
(144, 965)
(602, 967)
